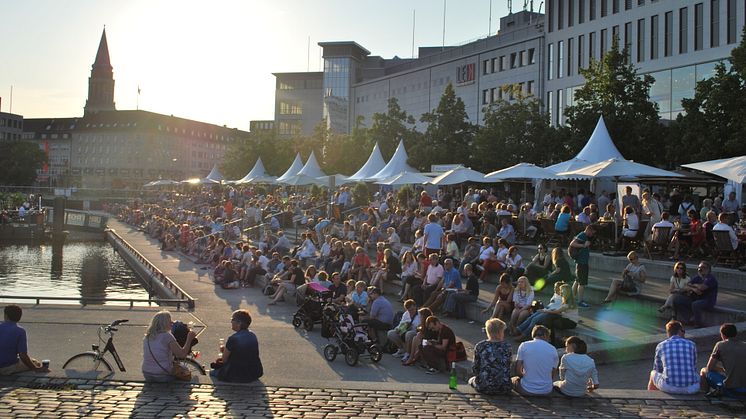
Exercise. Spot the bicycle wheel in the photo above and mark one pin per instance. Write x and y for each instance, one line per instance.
(88, 363)
(193, 366)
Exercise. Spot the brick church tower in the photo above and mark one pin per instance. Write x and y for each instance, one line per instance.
(101, 82)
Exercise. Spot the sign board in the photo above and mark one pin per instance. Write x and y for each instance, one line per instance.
(465, 74)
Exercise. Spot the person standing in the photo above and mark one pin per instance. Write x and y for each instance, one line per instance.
(434, 235)
(674, 369)
(241, 362)
(14, 345)
(582, 243)
(536, 364)
(725, 372)
(629, 200)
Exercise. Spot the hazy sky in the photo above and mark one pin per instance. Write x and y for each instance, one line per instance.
(210, 61)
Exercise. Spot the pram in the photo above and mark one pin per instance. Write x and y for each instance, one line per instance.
(309, 312)
(348, 338)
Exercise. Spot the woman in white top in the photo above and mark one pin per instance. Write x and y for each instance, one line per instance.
(523, 296)
(633, 276)
(631, 223)
(514, 263)
(679, 279)
(401, 335)
(160, 348)
(307, 248)
(577, 371)
(394, 240)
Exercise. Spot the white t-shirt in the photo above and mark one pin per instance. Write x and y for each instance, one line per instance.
(434, 274)
(539, 359)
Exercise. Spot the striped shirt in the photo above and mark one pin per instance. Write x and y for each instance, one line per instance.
(676, 359)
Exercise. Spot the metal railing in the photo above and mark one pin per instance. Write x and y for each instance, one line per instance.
(156, 274)
(86, 300)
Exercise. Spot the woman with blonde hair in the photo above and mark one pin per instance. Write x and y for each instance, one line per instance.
(523, 296)
(491, 366)
(160, 348)
(633, 276)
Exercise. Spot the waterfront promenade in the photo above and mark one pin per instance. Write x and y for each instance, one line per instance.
(298, 381)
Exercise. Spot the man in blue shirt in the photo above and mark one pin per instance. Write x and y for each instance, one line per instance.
(582, 244)
(381, 314)
(241, 362)
(700, 294)
(675, 366)
(13, 345)
(451, 282)
(434, 235)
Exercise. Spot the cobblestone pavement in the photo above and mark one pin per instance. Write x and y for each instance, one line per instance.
(78, 398)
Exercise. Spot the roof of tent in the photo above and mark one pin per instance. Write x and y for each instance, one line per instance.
(215, 174)
(257, 172)
(599, 148)
(293, 169)
(374, 165)
(733, 168)
(312, 167)
(397, 164)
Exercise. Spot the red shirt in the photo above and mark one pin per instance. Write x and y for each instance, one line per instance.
(426, 201)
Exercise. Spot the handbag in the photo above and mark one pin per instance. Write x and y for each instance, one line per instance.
(456, 353)
(178, 371)
(628, 284)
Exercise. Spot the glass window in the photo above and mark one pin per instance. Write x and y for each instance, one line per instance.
(560, 107)
(550, 61)
(604, 35)
(513, 60)
(627, 4)
(522, 58)
(591, 46)
(550, 107)
(485, 96)
(493, 94)
(591, 9)
(560, 59)
(641, 40)
(654, 37)
(706, 70)
(581, 11)
(668, 34)
(570, 56)
(698, 26)
(731, 21)
(683, 30)
(570, 13)
(493, 65)
(628, 37)
(682, 86)
(604, 8)
(560, 14)
(581, 54)
(502, 63)
(714, 23)
(615, 34)
(530, 87)
(485, 66)
(660, 92)
(614, 6)
(550, 15)
(531, 56)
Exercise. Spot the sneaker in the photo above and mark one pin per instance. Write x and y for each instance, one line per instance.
(716, 392)
(431, 371)
(583, 304)
(398, 354)
(405, 357)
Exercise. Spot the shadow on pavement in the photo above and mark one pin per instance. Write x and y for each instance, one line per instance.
(248, 400)
(158, 399)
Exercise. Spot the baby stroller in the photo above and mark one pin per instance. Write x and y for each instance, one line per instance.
(309, 312)
(348, 338)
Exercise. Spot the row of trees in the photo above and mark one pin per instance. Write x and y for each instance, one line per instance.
(713, 126)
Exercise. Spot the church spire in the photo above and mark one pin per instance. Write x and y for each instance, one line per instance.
(101, 82)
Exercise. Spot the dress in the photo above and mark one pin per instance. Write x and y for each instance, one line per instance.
(491, 367)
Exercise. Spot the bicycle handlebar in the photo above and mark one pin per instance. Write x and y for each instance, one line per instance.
(117, 322)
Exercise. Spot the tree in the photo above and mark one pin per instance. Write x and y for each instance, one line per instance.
(19, 162)
(276, 154)
(449, 135)
(390, 127)
(614, 90)
(515, 132)
(713, 125)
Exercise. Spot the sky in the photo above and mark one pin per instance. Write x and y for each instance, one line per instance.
(210, 61)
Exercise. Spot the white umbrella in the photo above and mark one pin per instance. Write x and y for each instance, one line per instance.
(522, 171)
(733, 168)
(616, 168)
(459, 175)
(405, 178)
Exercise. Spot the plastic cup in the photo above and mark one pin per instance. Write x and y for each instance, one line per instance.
(45, 364)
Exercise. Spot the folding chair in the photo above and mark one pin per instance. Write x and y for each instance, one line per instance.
(659, 241)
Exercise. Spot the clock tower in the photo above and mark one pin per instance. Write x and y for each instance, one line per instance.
(101, 82)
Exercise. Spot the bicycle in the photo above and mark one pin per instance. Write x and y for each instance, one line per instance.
(94, 361)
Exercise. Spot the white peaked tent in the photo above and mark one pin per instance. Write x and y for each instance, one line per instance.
(374, 165)
(599, 148)
(405, 178)
(521, 171)
(258, 172)
(733, 168)
(293, 169)
(312, 168)
(214, 174)
(397, 164)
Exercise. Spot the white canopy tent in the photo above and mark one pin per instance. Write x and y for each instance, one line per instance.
(373, 165)
(459, 175)
(338, 179)
(599, 147)
(312, 167)
(733, 169)
(302, 180)
(619, 168)
(258, 174)
(161, 182)
(293, 169)
(522, 171)
(405, 178)
(397, 164)
(215, 174)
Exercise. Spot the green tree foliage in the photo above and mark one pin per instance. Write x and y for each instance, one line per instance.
(19, 161)
(360, 195)
(714, 123)
(276, 154)
(515, 132)
(615, 90)
(390, 127)
(449, 135)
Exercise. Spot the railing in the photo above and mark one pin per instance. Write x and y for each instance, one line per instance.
(85, 300)
(154, 273)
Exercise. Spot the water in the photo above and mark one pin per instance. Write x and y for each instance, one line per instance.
(89, 270)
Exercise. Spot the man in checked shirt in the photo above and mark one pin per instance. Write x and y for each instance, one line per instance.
(674, 369)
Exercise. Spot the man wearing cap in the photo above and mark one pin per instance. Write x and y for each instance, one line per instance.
(381, 314)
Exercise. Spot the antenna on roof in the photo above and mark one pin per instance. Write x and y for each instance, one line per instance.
(308, 55)
(414, 14)
(443, 46)
(489, 30)
(510, 7)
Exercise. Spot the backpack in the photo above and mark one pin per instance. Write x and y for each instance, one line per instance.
(573, 252)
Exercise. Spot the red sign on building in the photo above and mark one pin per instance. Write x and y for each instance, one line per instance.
(465, 74)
